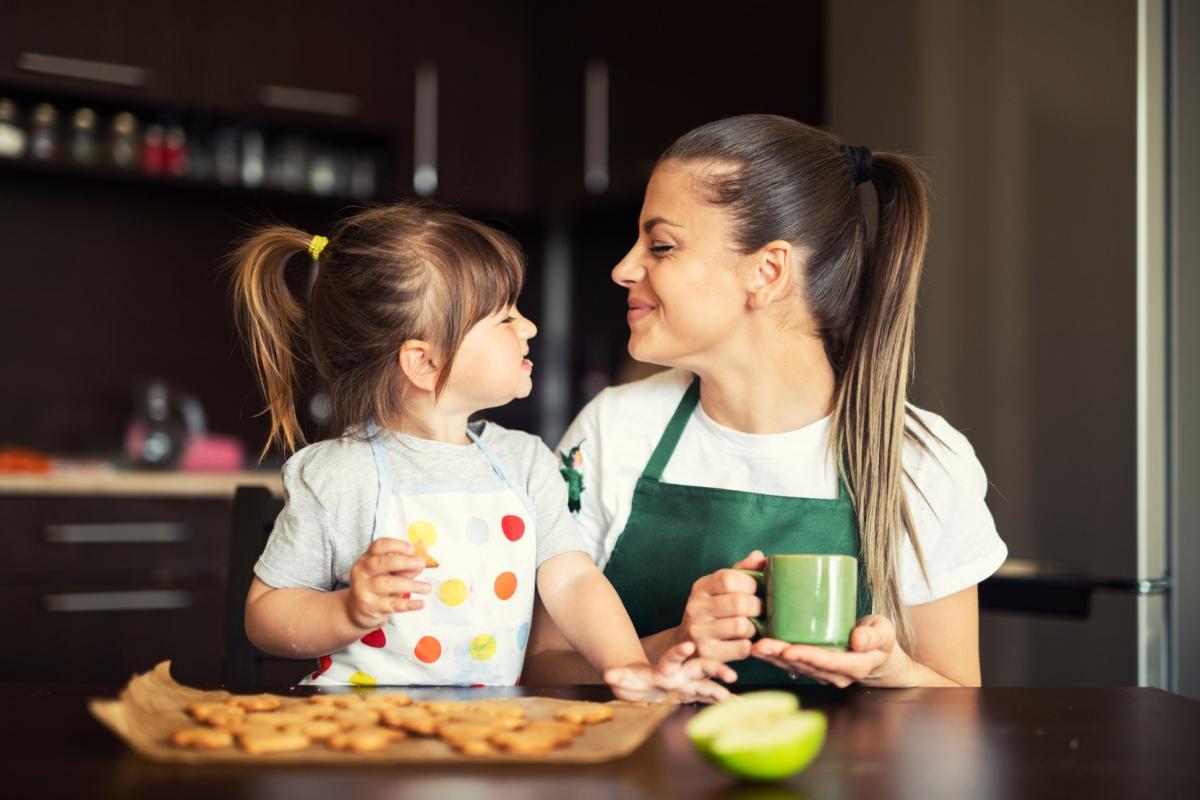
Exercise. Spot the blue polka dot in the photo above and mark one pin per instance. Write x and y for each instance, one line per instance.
(522, 635)
(477, 531)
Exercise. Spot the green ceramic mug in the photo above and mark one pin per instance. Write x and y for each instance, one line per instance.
(810, 599)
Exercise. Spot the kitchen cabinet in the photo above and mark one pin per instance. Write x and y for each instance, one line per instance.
(619, 81)
(97, 588)
(124, 50)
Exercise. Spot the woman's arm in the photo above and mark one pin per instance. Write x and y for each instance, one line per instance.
(947, 651)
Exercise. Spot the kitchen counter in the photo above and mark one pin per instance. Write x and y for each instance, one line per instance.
(109, 481)
(914, 743)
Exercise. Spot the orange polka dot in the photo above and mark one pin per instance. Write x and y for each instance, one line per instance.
(506, 585)
(428, 650)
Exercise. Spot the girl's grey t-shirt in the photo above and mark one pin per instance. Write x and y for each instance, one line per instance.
(331, 488)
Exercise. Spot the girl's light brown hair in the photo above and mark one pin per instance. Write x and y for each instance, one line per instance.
(388, 274)
(779, 179)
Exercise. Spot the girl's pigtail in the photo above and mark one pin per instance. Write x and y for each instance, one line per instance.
(270, 320)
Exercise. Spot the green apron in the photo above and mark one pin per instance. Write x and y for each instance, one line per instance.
(677, 533)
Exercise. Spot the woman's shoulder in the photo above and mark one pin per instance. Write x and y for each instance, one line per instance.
(939, 458)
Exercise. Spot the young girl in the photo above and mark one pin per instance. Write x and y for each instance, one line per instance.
(407, 550)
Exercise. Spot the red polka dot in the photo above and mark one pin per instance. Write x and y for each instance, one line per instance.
(513, 527)
(323, 663)
(428, 650)
(375, 638)
(506, 585)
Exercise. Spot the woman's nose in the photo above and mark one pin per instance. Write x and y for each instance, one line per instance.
(628, 271)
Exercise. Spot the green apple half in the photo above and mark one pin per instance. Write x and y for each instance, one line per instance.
(773, 750)
(746, 711)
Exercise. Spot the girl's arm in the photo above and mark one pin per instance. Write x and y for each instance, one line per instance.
(306, 623)
(587, 610)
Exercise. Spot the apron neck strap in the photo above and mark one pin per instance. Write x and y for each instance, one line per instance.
(670, 438)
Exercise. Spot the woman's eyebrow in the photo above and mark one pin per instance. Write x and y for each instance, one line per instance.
(649, 224)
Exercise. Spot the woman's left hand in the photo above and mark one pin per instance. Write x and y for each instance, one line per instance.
(874, 657)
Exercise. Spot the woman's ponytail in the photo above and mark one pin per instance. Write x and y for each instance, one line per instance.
(271, 321)
(871, 412)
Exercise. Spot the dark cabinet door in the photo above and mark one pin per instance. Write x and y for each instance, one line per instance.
(306, 61)
(619, 81)
(132, 50)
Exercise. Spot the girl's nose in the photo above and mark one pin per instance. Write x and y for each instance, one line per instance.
(527, 330)
(628, 271)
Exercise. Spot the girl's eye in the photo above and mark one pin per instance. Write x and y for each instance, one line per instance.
(508, 320)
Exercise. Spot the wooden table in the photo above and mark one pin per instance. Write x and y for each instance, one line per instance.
(917, 743)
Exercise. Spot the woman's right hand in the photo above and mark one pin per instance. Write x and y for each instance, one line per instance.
(381, 581)
(718, 612)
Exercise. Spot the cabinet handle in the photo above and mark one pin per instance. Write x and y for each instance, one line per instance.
(83, 69)
(118, 533)
(425, 130)
(595, 126)
(311, 101)
(146, 600)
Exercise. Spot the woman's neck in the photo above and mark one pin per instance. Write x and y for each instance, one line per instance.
(773, 386)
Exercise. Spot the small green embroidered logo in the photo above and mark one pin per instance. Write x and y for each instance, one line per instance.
(572, 462)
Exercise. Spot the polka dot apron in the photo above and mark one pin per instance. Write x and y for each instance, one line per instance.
(475, 623)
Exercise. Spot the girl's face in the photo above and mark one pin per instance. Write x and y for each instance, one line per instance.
(687, 293)
(491, 367)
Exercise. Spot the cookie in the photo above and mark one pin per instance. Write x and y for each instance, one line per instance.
(455, 733)
(413, 719)
(423, 554)
(381, 700)
(364, 740)
(499, 709)
(255, 702)
(585, 713)
(274, 719)
(561, 731)
(202, 738)
(355, 717)
(524, 743)
(261, 741)
(475, 747)
(475, 718)
(204, 712)
(319, 729)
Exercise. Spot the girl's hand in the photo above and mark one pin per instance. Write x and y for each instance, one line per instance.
(381, 581)
(717, 615)
(874, 658)
(690, 679)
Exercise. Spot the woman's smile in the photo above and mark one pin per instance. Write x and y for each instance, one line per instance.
(639, 309)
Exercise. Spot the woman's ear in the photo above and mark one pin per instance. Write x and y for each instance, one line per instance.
(773, 269)
(416, 362)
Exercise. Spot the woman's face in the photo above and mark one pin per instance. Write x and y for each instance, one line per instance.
(687, 292)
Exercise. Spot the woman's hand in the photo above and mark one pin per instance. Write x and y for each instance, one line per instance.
(690, 679)
(381, 581)
(718, 612)
(874, 658)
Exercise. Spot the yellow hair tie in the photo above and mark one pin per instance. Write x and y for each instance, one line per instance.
(316, 246)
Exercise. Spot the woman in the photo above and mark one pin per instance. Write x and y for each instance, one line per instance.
(783, 425)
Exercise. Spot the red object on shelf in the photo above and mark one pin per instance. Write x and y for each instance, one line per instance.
(154, 151)
(19, 459)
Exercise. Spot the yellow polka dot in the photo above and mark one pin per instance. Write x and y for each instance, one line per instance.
(362, 679)
(483, 647)
(422, 533)
(453, 592)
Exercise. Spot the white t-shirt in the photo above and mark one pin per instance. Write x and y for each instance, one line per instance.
(621, 426)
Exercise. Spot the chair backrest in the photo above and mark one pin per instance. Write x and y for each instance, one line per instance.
(254, 512)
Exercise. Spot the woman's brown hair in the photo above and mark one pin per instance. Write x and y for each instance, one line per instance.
(387, 275)
(779, 179)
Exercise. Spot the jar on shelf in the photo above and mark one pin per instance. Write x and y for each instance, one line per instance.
(124, 149)
(175, 155)
(154, 150)
(12, 135)
(82, 146)
(43, 132)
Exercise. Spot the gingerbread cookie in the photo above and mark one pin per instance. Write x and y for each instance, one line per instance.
(261, 741)
(585, 713)
(364, 740)
(202, 738)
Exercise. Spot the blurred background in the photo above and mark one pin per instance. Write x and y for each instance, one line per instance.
(139, 140)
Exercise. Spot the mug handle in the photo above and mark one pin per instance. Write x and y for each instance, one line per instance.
(760, 577)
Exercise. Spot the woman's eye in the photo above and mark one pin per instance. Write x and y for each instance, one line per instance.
(659, 249)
